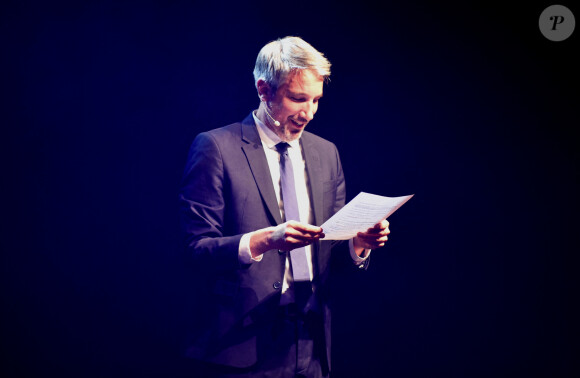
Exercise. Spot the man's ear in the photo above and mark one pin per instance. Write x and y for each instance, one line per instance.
(264, 90)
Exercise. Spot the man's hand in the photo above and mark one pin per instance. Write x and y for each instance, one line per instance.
(374, 237)
(292, 234)
(285, 237)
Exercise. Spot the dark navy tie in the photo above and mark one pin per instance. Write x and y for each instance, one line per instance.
(300, 271)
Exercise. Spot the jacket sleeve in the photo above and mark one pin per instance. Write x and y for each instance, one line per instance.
(202, 207)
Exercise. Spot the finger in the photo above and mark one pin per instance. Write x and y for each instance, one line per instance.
(373, 245)
(305, 228)
(374, 229)
(293, 243)
(376, 241)
(382, 225)
(373, 235)
(304, 236)
(372, 238)
(305, 232)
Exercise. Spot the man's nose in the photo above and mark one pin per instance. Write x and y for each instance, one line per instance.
(308, 112)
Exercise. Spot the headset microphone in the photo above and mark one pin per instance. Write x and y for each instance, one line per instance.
(272, 118)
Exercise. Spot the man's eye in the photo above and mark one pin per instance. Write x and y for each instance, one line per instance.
(297, 99)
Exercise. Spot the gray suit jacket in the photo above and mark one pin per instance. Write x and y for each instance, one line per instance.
(227, 191)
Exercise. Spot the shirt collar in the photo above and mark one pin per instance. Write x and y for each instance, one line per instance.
(268, 137)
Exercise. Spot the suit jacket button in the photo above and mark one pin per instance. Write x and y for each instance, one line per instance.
(277, 285)
(281, 252)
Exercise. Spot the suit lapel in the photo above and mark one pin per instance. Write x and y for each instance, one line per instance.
(315, 176)
(259, 166)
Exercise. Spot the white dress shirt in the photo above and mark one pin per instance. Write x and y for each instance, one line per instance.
(269, 141)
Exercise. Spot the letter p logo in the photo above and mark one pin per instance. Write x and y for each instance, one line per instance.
(557, 23)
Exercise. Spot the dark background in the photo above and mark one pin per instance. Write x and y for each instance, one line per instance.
(464, 104)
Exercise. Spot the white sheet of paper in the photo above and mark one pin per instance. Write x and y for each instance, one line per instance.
(363, 212)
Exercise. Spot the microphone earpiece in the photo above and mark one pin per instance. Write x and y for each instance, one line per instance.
(276, 123)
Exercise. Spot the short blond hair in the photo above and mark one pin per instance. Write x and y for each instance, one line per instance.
(279, 58)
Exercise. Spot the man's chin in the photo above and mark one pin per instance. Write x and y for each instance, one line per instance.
(292, 135)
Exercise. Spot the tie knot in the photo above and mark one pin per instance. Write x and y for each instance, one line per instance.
(282, 147)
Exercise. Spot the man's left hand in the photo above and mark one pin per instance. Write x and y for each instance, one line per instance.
(374, 237)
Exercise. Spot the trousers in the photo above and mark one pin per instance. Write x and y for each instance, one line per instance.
(296, 350)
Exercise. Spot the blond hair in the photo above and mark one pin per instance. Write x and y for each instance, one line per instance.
(279, 58)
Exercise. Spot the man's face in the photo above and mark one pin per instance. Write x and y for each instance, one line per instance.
(295, 103)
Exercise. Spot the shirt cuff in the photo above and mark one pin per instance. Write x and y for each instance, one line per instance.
(356, 258)
(244, 253)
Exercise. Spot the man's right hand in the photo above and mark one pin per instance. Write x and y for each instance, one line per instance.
(285, 237)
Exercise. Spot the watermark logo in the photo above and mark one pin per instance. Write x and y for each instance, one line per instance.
(557, 23)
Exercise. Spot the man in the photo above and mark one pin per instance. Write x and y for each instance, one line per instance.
(252, 195)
